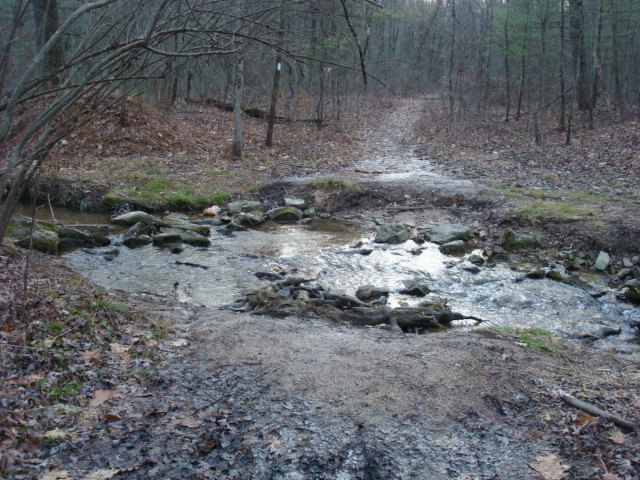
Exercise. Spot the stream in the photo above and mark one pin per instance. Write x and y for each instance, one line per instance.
(331, 252)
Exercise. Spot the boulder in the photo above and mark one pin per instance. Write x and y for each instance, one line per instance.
(73, 238)
(166, 239)
(445, 232)
(310, 212)
(456, 247)
(415, 288)
(183, 224)
(248, 220)
(285, 214)
(369, 292)
(134, 242)
(392, 233)
(212, 211)
(132, 218)
(187, 236)
(514, 242)
(240, 206)
(298, 203)
(476, 259)
(43, 240)
(602, 262)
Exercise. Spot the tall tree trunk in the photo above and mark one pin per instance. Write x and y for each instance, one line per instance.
(237, 107)
(523, 64)
(452, 52)
(45, 19)
(563, 95)
(274, 101)
(617, 83)
(507, 71)
(596, 65)
(577, 35)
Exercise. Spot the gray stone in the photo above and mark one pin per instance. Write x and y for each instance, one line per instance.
(285, 214)
(514, 242)
(166, 239)
(132, 218)
(456, 247)
(43, 240)
(74, 238)
(135, 242)
(240, 206)
(188, 236)
(627, 263)
(248, 220)
(415, 288)
(476, 259)
(602, 262)
(445, 232)
(392, 233)
(182, 224)
(370, 292)
(299, 203)
(310, 212)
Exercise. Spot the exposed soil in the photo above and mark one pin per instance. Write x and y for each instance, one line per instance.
(239, 396)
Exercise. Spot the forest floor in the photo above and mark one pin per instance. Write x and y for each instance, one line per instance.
(189, 392)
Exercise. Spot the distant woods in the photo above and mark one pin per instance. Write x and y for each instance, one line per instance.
(63, 60)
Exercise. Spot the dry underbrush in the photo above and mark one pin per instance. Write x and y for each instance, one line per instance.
(66, 347)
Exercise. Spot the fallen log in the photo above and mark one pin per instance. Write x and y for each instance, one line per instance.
(593, 410)
(253, 112)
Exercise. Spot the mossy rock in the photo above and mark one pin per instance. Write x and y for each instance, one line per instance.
(43, 240)
(181, 224)
(189, 237)
(392, 233)
(132, 218)
(514, 242)
(285, 214)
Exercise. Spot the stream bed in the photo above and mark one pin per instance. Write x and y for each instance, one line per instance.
(331, 251)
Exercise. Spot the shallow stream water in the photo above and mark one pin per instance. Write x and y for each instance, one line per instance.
(325, 250)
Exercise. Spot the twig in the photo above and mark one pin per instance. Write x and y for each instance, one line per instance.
(53, 217)
(593, 410)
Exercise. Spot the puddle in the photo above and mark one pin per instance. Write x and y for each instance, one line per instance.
(322, 250)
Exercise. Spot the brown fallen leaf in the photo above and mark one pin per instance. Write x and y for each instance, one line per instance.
(111, 417)
(55, 434)
(55, 475)
(189, 422)
(181, 342)
(118, 348)
(91, 355)
(101, 396)
(616, 436)
(102, 474)
(549, 467)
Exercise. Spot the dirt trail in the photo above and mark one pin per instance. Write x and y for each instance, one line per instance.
(259, 397)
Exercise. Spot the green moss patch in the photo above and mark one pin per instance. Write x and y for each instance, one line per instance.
(165, 193)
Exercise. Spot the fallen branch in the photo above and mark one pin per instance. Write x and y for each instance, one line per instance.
(593, 410)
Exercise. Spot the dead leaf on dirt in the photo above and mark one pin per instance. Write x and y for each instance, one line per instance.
(56, 433)
(181, 342)
(586, 419)
(111, 417)
(101, 396)
(616, 436)
(275, 445)
(611, 476)
(189, 422)
(102, 474)
(520, 344)
(549, 467)
(48, 342)
(118, 348)
(55, 475)
(91, 355)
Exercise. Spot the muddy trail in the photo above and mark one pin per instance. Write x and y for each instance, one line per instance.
(243, 396)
